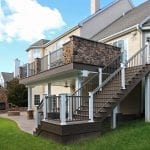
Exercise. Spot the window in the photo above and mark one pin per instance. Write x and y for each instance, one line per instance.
(36, 53)
(123, 45)
(36, 99)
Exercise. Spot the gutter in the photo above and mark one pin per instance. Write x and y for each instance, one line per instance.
(120, 33)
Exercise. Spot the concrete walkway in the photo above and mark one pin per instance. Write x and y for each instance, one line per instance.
(23, 123)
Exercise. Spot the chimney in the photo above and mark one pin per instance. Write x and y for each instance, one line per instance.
(95, 6)
(17, 65)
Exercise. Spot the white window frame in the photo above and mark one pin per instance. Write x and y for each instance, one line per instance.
(125, 46)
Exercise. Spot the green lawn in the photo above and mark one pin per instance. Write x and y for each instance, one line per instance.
(130, 136)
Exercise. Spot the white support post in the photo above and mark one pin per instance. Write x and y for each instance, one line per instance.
(114, 118)
(27, 69)
(29, 98)
(63, 109)
(147, 98)
(49, 60)
(78, 86)
(48, 99)
(45, 107)
(100, 77)
(91, 107)
(123, 76)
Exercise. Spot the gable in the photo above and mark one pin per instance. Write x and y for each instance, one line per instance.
(132, 18)
(147, 23)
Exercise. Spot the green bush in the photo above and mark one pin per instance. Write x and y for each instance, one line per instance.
(17, 93)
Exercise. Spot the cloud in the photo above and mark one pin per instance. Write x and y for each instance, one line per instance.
(27, 20)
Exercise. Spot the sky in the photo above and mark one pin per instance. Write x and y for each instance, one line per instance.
(23, 22)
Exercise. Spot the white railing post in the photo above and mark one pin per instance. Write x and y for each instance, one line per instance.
(123, 76)
(148, 53)
(63, 109)
(37, 117)
(45, 107)
(100, 77)
(70, 107)
(49, 60)
(91, 107)
(27, 69)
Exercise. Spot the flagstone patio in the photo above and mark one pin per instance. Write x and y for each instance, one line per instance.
(22, 121)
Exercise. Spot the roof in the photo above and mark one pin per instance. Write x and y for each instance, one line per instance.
(7, 76)
(38, 44)
(131, 18)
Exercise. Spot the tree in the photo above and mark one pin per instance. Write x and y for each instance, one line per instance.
(17, 93)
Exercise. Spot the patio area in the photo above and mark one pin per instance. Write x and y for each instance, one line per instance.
(23, 123)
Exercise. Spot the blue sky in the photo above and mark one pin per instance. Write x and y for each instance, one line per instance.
(17, 33)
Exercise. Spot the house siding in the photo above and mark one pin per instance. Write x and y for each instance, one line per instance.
(58, 44)
(133, 39)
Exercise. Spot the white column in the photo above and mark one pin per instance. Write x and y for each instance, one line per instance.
(91, 107)
(78, 86)
(123, 76)
(29, 98)
(114, 117)
(63, 109)
(48, 92)
(147, 99)
(100, 77)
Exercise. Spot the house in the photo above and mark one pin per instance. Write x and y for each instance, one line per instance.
(77, 80)
(4, 78)
(130, 32)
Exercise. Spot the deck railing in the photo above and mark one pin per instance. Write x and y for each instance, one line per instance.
(56, 58)
(44, 63)
(50, 61)
(31, 69)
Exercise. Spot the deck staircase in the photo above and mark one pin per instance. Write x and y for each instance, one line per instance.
(111, 94)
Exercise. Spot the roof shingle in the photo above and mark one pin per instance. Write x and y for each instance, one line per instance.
(131, 18)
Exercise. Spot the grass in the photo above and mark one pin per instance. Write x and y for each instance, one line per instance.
(129, 136)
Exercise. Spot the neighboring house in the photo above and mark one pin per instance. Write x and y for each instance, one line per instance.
(3, 99)
(82, 77)
(5, 77)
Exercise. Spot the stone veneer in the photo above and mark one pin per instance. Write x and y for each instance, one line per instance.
(84, 51)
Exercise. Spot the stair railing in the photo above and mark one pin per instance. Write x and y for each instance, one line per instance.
(38, 113)
(82, 95)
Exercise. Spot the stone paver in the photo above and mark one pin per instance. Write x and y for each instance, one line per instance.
(22, 121)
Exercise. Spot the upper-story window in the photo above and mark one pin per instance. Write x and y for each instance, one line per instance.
(123, 45)
(36, 53)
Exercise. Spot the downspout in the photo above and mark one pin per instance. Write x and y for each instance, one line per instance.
(139, 28)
